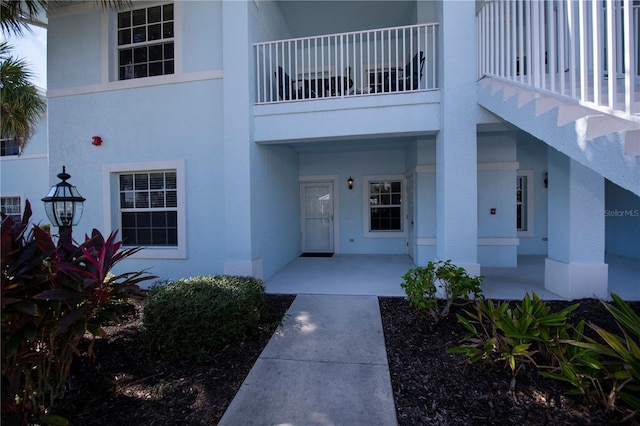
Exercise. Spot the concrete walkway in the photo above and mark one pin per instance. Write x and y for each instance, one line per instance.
(327, 365)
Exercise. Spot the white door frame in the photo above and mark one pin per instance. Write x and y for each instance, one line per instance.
(334, 179)
(410, 215)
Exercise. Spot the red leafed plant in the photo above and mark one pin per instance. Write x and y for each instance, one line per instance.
(51, 296)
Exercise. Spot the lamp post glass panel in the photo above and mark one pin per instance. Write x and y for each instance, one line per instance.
(63, 205)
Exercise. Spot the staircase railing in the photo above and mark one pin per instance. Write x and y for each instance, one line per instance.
(587, 50)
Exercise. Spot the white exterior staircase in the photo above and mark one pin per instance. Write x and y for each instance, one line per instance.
(606, 143)
(545, 67)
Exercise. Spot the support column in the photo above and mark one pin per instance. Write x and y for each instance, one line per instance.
(456, 143)
(237, 138)
(425, 201)
(575, 265)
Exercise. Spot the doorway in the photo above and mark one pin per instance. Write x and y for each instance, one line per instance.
(317, 217)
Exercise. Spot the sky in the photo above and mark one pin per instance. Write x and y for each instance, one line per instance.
(32, 47)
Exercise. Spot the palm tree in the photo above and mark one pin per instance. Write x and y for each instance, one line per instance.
(20, 104)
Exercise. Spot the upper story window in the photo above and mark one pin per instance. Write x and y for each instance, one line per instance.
(9, 146)
(145, 42)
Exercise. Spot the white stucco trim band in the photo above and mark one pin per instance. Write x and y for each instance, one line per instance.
(506, 165)
(23, 157)
(426, 241)
(425, 168)
(498, 241)
(136, 83)
(486, 241)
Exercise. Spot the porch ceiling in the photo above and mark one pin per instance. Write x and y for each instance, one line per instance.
(309, 17)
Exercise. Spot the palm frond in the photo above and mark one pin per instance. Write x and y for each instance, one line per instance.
(20, 103)
(16, 15)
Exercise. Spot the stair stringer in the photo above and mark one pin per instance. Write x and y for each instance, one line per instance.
(605, 144)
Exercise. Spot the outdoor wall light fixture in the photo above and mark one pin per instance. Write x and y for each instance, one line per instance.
(350, 182)
(546, 180)
(63, 205)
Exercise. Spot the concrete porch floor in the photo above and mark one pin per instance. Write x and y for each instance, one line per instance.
(381, 275)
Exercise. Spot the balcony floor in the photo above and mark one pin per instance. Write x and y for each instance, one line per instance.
(381, 275)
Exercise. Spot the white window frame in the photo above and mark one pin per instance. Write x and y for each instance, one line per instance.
(20, 205)
(528, 200)
(16, 142)
(111, 203)
(366, 210)
(146, 43)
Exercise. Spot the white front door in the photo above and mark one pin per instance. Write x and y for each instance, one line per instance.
(317, 217)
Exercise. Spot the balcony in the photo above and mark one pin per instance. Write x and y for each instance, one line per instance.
(586, 51)
(355, 64)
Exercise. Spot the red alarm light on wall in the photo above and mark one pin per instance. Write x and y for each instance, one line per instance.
(96, 140)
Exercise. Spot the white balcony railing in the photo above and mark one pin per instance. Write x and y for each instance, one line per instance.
(401, 59)
(583, 49)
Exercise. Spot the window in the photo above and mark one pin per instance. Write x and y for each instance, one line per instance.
(9, 146)
(521, 204)
(11, 206)
(146, 203)
(385, 205)
(149, 208)
(145, 42)
(524, 203)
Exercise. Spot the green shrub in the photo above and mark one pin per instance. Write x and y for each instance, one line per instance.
(600, 371)
(422, 285)
(580, 367)
(606, 369)
(192, 318)
(499, 333)
(51, 297)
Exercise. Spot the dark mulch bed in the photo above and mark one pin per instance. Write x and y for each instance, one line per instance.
(128, 386)
(432, 387)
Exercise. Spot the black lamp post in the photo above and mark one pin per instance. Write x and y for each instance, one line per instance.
(63, 205)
